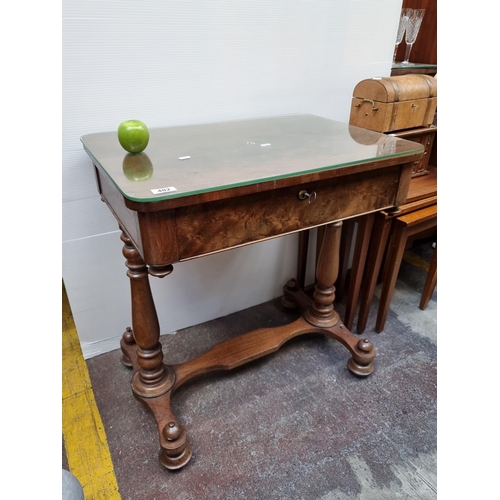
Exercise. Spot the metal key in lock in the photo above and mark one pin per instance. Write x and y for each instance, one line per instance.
(304, 194)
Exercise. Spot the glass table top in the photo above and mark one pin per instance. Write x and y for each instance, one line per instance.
(193, 159)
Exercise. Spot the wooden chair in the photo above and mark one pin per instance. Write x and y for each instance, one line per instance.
(430, 282)
(375, 230)
(405, 227)
(371, 247)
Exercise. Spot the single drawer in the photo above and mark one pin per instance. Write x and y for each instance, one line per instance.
(210, 227)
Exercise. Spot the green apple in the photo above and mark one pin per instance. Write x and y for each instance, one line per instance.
(137, 167)
(133, 135)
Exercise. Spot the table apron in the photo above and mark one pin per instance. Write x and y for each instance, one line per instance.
(173, 235)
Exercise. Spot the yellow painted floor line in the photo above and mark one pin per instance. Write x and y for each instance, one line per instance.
(85, 440)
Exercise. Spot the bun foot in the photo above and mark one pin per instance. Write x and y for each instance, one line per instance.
(127, 344)
(175, 450)
(294, 297)
(361, 363)
(359, 370)
(287, 299)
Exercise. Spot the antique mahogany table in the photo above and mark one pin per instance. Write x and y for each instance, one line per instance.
(201, 189)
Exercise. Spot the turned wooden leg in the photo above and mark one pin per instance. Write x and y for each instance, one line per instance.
(152, 381)
(152, 377)
(321, 313)
(320, 232)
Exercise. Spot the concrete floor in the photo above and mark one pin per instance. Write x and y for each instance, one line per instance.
(296, 424)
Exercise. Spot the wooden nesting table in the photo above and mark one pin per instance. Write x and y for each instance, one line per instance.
(201, 189)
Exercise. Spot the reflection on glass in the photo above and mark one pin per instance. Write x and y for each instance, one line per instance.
(403, 20)
(412, 29)
(363, 135)
(386, 146)
(137, 167)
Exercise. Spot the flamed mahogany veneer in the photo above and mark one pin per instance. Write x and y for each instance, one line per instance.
(207, 188)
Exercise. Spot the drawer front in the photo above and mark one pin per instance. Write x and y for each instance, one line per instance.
(210, 227)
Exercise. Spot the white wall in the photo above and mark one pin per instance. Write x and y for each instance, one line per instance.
(179, 62)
